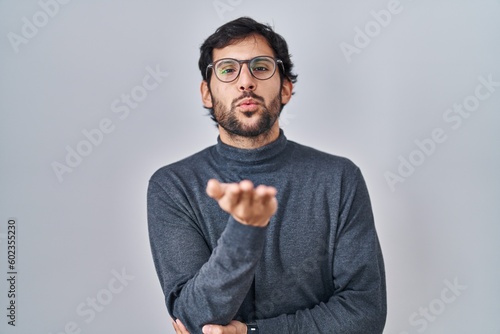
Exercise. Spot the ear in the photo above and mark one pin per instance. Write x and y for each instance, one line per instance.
(286, 91)
(206, 96)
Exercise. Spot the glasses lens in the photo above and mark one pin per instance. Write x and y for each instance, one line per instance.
(227, 69)
(262, 67)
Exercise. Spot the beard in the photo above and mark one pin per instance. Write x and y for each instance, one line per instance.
(228, 118)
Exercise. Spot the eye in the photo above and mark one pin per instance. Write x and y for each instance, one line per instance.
(227, 67)
(260, 69)
(261, 66)
(226, 70)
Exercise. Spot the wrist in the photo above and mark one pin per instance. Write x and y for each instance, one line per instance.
(262, 223)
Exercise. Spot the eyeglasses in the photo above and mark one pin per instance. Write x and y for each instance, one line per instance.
(229, 69)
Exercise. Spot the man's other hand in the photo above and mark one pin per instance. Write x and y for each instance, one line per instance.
(179, 327)
(234, 327)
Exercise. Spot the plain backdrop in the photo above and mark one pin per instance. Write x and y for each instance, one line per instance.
(408, 90)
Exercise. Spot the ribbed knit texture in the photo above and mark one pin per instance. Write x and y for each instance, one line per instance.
(316, 268)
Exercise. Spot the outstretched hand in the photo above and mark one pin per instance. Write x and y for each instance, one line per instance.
(248, 205)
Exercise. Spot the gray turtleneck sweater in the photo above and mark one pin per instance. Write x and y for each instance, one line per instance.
(316, 268)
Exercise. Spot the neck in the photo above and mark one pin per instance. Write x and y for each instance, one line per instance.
(249, 142)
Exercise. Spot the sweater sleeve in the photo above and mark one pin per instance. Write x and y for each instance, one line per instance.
(201, 287)
(358, 304)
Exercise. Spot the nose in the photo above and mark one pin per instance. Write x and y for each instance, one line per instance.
(246, 80)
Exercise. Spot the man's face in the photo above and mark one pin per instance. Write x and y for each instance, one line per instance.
(247, 106)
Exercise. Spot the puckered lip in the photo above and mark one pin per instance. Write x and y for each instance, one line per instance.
(247, 102)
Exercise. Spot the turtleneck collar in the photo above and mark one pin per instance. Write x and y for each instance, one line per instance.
(259, 155)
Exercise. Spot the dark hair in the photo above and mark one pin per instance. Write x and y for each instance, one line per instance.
(238, 30)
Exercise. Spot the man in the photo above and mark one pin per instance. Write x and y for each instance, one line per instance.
(258, 233)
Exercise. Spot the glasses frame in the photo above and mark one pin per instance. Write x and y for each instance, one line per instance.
(247, 61)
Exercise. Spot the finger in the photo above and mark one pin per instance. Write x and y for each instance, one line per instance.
(216, 329)
(271, 206)
(247, 193)
(181, 328)
(209, 329)
(176, 328)
(230, 198)
(246, 185)
(215, 189)
(266, 196)
(265, 191)
(239, 327)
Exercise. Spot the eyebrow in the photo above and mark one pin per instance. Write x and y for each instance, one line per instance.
(214, 61)
(224, 60)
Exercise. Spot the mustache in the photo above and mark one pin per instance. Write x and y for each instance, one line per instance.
(247, 95)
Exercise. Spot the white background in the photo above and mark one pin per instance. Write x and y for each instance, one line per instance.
(440, 224)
